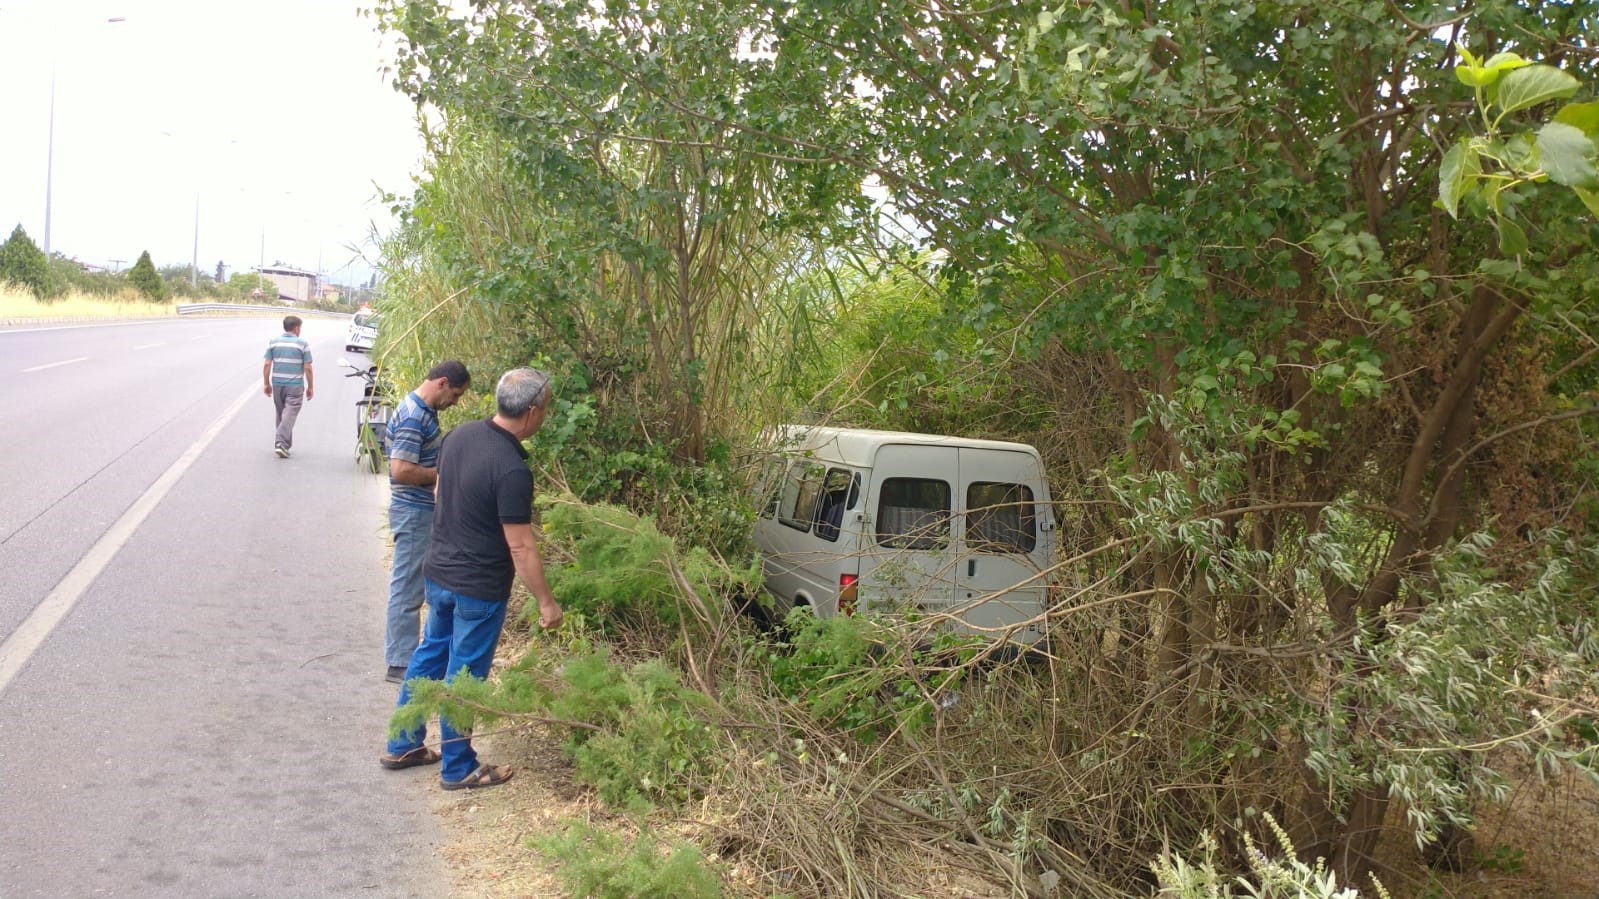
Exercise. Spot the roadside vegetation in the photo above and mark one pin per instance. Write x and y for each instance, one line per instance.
(1296, 299)
(33, 287)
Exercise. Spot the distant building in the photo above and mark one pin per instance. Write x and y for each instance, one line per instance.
(294, 285)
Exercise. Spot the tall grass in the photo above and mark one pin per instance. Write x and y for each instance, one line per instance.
(18, 302)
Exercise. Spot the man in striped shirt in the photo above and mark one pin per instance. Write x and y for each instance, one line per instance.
(286, 377)
(414, 438)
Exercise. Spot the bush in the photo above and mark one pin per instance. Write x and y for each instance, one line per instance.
(623, 568)
(1272, 877)
(598, 863)
(649, 741)
(858, 675)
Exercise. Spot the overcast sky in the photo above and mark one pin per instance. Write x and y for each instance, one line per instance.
(273, 118)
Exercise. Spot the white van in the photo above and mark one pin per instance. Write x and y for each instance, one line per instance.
(898, 523)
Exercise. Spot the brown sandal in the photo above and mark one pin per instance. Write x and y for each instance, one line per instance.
(418, 756)
(484, 776)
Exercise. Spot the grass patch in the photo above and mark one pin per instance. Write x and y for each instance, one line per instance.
(18, 302)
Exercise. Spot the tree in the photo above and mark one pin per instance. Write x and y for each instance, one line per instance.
(1332, 440)
(658, 232)
(22, 263)
(146, 280)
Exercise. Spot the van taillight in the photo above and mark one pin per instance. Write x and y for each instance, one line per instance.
(846, 593)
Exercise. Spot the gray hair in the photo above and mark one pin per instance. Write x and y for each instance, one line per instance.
(521, 389)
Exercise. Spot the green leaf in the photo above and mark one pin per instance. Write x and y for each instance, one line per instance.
(1525, 88)
(1484, 74)
(1505, 62)
(1590, 198)
(1460, 166)
(1567, 155)
(1512, 239)
(1582, 116)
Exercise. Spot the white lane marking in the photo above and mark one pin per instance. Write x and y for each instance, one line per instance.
(21, 644)
(149, 346)
(154, 321)
(55, 364)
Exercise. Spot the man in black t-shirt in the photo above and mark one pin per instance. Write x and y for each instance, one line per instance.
(482, 539)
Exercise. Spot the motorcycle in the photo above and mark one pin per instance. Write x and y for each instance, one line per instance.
(372, 413)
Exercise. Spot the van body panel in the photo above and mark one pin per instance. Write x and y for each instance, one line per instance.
(928, 524)
(1002, 535)
(907, 555)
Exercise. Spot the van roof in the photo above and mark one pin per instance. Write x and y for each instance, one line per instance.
(858, 446)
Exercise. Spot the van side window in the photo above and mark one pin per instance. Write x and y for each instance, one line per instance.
(769, 487)
(839, 492)
(1000, 518)
(800, 491)
(913, 513)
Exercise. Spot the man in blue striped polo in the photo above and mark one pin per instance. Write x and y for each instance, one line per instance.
(414, 438)
(286, 377)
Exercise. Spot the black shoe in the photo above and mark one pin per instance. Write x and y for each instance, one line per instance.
(396, 674)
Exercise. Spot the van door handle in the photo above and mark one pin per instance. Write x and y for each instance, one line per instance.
(971, 567)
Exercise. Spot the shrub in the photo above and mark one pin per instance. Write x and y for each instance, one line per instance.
(622, 567)
(649, 741)
(599, 863)
(857, 674)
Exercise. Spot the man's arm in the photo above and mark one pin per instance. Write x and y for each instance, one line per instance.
(266, 377)
(530, 568)
(403, 472)
(310, 386)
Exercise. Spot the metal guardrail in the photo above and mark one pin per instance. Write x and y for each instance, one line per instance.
(197, 308)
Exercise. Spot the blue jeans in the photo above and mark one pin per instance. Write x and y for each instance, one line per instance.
(411, 527)
(461, 632)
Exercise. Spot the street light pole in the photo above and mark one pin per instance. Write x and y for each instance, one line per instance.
(50, 150)
(49, 164)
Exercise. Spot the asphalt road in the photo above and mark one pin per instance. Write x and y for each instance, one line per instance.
(191, 693)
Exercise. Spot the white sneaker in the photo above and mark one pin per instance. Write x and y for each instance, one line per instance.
(282, 451)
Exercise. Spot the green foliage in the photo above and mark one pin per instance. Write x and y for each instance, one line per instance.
(650, 741)
(145, 280)
(23, 263)
(1193, 245)
(468, 702)
(1490, 169)
(860, 676)
(242, 284)
(623, 568)
(599, 863)
(1278, 876)
(1492, 661)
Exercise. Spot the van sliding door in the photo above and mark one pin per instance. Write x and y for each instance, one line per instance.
(1002, 542)
(907, 556)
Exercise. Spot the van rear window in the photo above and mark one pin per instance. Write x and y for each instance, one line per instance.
(1000, 518)
(913, 513)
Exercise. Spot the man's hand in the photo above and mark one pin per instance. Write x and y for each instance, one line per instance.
(550, 614)
(267, 390)
(309, 392)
